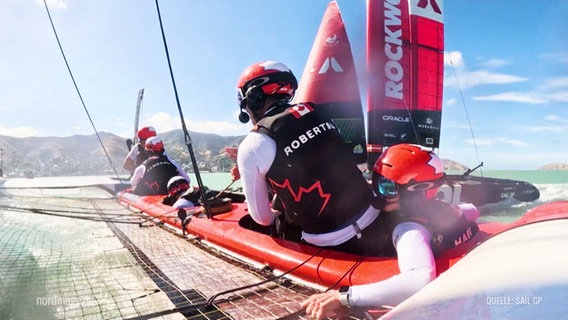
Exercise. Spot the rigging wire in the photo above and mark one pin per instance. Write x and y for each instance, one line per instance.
(77, 89)
(187, 138)
(466, 111)
(464, 107)
(54, 213)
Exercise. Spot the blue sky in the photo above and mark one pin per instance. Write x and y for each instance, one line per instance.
(510, 59)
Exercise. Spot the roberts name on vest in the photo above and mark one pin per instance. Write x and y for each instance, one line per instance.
(157, 164)
(305, 137)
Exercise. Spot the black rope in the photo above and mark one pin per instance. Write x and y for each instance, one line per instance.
(302, 312)
(212, 299)
(52, 212)
(181, 309)
(187, 138)
(77, 89)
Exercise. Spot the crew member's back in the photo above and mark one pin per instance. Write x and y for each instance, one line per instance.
(152, 176)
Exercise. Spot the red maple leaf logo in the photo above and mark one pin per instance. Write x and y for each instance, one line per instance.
(297, 196)
(153, 186)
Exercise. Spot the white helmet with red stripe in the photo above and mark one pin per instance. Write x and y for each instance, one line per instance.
(146, 132)
(154, 144)
(177, 185)
(263, 79)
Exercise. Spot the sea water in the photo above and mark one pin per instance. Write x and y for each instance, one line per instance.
(216, 181)
(532, 176)
(220, 180)
(552, 184)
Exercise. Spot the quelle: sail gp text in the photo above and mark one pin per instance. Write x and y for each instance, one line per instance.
(513, 300)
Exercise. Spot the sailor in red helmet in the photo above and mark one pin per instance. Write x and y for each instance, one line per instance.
(138, 154)
(152, 176)
(297, 152)
(413, 224)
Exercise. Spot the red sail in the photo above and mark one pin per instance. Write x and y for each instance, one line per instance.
(330, 81)
(405, 43)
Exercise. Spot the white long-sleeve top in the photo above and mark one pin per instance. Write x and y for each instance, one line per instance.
(411, 240)
(415, 262)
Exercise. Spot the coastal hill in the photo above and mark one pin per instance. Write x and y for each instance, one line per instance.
(450, 165)
(554, 166)
(83, 155)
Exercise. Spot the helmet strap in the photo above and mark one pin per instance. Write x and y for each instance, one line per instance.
(277, 107)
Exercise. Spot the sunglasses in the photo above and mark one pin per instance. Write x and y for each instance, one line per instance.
(177, 189)
(386, 188)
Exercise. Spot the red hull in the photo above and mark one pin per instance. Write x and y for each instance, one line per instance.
(322, 269)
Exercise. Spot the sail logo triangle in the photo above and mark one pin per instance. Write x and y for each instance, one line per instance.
(430, 9)
(330, 62)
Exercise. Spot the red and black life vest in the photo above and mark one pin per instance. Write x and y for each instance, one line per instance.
(159, 170)
(314, 173)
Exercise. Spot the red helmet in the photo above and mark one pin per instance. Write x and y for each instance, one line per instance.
(154, 144)
(145, 133)
(410, 165)
(177, 185)
(265, 79)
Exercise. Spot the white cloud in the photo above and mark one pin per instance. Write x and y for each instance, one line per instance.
(461, 77)
(164, 122)
(494, 63)
(561, 96)
(451, 102)
(551, 90)
(555, 89)
(544, 129)
(219, 127)
(557, 125)
(454, 58)
(555, 83)
(19, 132)
(524, 97)
(469, 79)
(555, 118)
